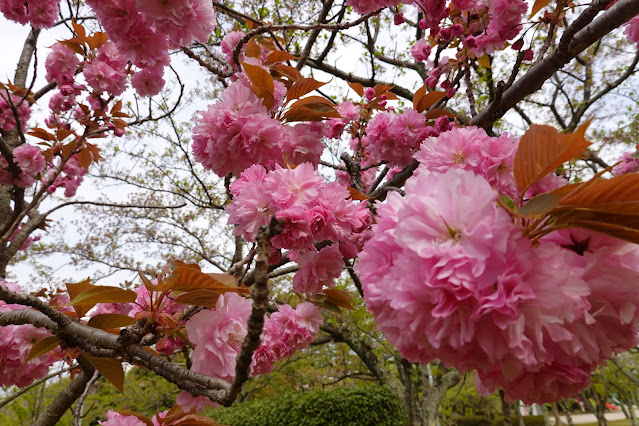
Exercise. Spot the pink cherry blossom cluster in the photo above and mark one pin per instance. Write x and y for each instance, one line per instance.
(116, 419)
(7, 117)
(286, 332)
(237, 132)
(448, 275)
(37, 13)
(632, 30)
(31, 162)
(70, 179)
(312, 211)
(15, 343)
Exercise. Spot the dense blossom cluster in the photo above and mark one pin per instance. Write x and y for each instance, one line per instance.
(448, 275)
(286, 332)
(30, 161)
(312, 211)
(37, 13)
(628, 163)
(7, 116)
(15, 343)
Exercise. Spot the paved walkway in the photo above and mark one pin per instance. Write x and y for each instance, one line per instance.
(590, 418)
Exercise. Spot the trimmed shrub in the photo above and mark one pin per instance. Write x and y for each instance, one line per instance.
(473, 421)
(528, 421)
(354, 406)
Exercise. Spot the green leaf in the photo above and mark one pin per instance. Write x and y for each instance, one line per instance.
(539, 205)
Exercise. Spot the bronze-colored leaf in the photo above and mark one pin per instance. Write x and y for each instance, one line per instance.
(259, 77)
(253, 50)
(79, 30)
(206, 298)
(428, 100)
(625, 227)
(42, 347)
(290, 72)
(104, 294)
(484, 61)
(439, 112)
(357, 88)
(97, 40)
(195, 420)
(340, 298)
(41, 134)
(74, 291)
(268, 99)
(104, 321)
(85, 158)
(111, 369)
(279, 56)
(419, 93)
(315, 111)
(356, 195)
(191, 280)
(73, 45)
(539, 4)
(381, 88)
(227, 279)
(303, 87)
(542, 149)
(617, 195)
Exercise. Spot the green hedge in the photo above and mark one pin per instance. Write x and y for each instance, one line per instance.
(528, 420)
(499, 421)
(356, 406)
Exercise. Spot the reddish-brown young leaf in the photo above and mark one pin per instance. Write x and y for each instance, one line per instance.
(41, 134)
(357, 88)
(73, 45)
(227, 279)
(390, 96)
(303, 87)
(539, 4)
(356, 195)
(61, 133)
(542, 149)
(625, 227)
(340, 298)
(104, 294)
(420, 93)
(85, 158)
(313, 111)
(268, 99)
(97, 40)
(180, 264)
(279, 56)
(75, 290)
(259, 77)
(42, 347)
(439, 112)
(79, 30)
(253, 50)
(381, 88)
(206, 298)
(428, 100)
(290, 72)
(617, 195)
(191, 279)
(104, 321)
(111, 369)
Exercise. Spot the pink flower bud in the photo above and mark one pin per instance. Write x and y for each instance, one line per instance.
(450, 92)
(423, 24)
(398, 19)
